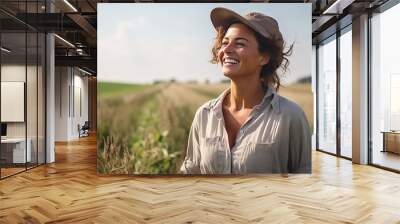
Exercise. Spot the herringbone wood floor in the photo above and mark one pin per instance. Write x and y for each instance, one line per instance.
(69, 191)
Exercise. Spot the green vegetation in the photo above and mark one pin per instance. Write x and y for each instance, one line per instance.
(107, 89)
(146, 135)
(118, 123)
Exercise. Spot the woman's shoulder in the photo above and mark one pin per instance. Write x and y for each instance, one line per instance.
(204, 112)
(289, 107)
(294, 115)
(207, 106)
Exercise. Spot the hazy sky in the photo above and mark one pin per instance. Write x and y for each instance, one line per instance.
(143, 42)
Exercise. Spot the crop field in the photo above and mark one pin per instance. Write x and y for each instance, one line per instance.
(143, 129)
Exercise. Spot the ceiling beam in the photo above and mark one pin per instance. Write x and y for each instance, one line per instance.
(83, 61)
(83, 23)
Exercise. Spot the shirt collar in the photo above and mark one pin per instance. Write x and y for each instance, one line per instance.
(271, 92)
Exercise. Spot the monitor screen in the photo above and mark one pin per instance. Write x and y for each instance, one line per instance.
(3, 129)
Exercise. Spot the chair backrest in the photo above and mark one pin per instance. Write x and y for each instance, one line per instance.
(86, 125)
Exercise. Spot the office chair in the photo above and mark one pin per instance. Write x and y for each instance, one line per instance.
(84, 130)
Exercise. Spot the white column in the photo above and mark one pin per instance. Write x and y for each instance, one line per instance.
(314, 93)
(50, 93)
(50, 99)
(360, 90)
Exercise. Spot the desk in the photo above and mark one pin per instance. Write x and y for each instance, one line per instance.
(15, 148)
(391, 141)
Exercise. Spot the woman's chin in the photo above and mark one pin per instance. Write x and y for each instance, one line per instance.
(229, 73)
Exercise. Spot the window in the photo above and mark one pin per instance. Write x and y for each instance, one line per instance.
(327, 95)
(22, 76)
(385, 88)
(346, 92)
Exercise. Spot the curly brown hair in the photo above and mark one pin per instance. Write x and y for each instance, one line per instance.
(278, 57)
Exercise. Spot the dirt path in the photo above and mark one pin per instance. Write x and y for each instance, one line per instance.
(182, 95)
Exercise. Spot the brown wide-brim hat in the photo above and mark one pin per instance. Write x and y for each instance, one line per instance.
(264, 25)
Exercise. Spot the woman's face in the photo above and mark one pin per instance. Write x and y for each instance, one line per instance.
(239, 55)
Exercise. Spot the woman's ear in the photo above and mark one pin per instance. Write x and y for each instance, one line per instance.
(264, 59)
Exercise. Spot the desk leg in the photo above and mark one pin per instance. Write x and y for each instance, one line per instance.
(384, 142)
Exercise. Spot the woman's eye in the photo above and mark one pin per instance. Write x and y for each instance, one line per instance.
(224, 43)
(240, 44)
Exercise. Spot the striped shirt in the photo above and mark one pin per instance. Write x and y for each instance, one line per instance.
(275, 138)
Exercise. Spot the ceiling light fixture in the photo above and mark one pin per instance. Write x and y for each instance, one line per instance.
(64, 40)
(5, 50)
(337, 7)
(70, 5)
(84, 71)
(79, 51)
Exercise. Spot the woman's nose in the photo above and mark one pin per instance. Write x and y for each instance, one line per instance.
(227, 48)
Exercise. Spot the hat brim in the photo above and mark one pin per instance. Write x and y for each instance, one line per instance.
(225, 17)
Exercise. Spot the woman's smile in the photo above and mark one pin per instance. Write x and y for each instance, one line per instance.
(230, 61)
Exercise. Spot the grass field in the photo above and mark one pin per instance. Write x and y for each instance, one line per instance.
(143, 129)
(108, 89)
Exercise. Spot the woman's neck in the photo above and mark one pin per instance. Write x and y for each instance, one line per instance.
(245, 94)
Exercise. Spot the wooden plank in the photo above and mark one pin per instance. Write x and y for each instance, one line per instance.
(70, 191)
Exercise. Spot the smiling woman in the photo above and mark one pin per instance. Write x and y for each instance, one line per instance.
(249, 128)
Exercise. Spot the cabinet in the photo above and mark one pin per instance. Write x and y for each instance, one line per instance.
(13, 150)
(391, 141)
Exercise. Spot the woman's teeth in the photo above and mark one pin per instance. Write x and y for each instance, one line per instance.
(230, 61)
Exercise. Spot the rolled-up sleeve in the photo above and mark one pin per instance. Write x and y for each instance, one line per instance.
(299, 145)
(191, 163)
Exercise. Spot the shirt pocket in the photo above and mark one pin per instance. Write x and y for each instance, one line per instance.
(213, 155)
(261, 157)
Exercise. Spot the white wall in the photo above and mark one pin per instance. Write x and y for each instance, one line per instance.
(33, 126)
(62, 81)
(16, 73)
(71, 93)
(13, 73)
